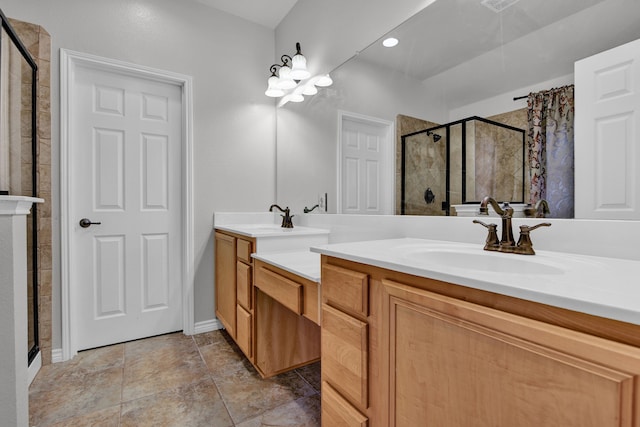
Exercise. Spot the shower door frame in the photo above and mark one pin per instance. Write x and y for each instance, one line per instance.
(13, 36)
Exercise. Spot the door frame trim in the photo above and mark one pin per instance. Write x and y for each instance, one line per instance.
(69, 60)
(389, 171)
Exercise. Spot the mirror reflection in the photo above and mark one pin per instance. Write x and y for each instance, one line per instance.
(455, 59)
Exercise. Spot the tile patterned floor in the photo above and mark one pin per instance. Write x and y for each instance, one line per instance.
(172, 380)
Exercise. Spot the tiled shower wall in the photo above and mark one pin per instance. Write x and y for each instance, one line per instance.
(38, 41)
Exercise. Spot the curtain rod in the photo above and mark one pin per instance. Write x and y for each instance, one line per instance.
(550, 90)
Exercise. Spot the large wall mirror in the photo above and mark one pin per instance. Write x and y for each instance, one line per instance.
(455, 59)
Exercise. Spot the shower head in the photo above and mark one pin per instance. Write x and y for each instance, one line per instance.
(436, 137)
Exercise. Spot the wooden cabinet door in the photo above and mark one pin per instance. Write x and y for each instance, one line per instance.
(337, 412)
(244, 329)
(244, 288)
(225, 285)
(345, 350)
(458, 364)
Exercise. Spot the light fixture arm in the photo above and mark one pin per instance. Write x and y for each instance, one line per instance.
(274, 69)
(286, 60)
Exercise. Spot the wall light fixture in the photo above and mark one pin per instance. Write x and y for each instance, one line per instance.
(291, 80)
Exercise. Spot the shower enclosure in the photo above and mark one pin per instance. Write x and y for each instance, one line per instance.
(460, 163)
(18, 151)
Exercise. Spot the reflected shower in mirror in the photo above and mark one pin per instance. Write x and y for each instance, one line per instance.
(463, 161)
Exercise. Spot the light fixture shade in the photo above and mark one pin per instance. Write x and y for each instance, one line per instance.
(309, 89)
(296, 97)
(299, 67)
(324, 81)
(286, 81)
(272, 89)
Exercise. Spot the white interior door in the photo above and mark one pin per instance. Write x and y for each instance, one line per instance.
(126, 169)
(607, 134)
(366, 163)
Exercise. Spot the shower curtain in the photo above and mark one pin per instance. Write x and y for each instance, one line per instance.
(550, 149)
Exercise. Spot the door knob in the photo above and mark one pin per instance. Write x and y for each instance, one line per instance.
(86, 222)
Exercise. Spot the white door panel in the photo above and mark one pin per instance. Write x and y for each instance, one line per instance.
(607, 134)
(127, 168)
(367, 171)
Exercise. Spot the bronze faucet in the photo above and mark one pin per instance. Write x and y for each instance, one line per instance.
(535, 211)
(507, 243)
(286, 218)
(506, 213)
(307, 210)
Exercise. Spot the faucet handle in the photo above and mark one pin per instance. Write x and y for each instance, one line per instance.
(525, 246)
(492, 242)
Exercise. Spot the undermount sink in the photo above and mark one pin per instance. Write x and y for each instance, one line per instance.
(479, 260)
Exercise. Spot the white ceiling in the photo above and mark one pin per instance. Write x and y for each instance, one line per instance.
(264, 12)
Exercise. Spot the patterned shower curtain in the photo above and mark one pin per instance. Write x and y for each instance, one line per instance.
(550, 149)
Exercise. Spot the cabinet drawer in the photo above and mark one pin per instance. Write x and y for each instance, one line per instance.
(337, 412)
(243, 330)
(346, 288)
(243, 283)
(345, 354)
(285, 291)
(243, 250)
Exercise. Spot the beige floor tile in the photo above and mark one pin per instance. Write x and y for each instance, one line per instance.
(108, 417)
(75, 393)
(161, 363)
(247, 395)
(222, 357)
(303, 412)
(213, 337)
(85, 361)
(192, 405)
(172, 380)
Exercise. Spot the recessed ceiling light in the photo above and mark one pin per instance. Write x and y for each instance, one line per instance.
(390, 42)
(498, 5)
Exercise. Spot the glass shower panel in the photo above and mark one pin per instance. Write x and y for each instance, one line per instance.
(494, 162)
(425, 174)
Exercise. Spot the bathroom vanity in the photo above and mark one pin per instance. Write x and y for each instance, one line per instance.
(272, 313)
(431, 333)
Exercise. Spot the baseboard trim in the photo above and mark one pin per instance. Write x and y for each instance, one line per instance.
(56, 355)
(207, 326)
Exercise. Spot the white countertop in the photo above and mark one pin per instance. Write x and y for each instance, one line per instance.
(302, 263)
(270, 230)
(605, 287)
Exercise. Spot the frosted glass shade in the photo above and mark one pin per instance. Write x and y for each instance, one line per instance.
(296, 97)
(299, 68)
(286, 81)
(272, 89)
(324, 81)
(309, 89)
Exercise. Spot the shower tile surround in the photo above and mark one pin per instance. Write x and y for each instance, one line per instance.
(418, 178)
(38, 42)
(172, 380)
